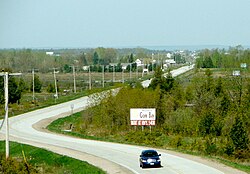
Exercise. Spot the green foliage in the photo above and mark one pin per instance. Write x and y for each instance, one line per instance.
(239, 135)
(165, 84)
(67, 68)
(206, 125)
(51, 88)
(95, 58)
(37, 84)
(1, 90)
(14, 91)
(176, 141)
(22, 85)
(222, 58)
(11, 166)
(131, 58)
(210, 146)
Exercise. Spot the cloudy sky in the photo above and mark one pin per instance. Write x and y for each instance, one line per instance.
(121, 23)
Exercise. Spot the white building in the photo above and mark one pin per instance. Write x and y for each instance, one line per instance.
(50, 53)
(138, 62)
(170, 61)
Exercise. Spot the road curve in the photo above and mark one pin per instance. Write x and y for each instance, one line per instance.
(22, 130)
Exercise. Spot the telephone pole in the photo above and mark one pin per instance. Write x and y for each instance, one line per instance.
(103, 76)
(113, 73)
(56, 95)
(6, 96)
(89, 79)
(33, 83)
(74, 75)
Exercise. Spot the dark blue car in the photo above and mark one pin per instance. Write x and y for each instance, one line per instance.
(150, 158)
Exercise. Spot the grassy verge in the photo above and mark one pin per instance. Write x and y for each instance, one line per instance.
(45, 99)
(48, 162)
(61, 124)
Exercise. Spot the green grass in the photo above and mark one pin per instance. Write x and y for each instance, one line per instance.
(49, 163)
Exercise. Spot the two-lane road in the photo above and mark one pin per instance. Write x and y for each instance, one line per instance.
(22, 130)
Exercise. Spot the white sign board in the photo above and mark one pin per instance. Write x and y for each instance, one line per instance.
(236, 73)
(243, 65)
(142, 116)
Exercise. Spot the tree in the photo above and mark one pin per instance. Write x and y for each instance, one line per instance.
(165, 84)
(14, 91)
(22, 85)
(95, 58)
(1, 90)
(67, 68)
(131, 58)
(207, 63)
(83, 60)
(239, 135)
(37, 84)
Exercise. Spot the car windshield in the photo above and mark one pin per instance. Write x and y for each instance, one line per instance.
(150, 154)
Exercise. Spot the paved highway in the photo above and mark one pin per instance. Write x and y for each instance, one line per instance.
(22, 130)
(174, 73)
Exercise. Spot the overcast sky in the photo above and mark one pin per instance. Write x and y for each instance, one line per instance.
(121, 23)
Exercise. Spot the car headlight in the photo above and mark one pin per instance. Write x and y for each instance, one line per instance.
(144, 161)
(159, 160)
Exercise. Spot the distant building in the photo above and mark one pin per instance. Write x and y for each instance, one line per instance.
(138, 62)
(50, 53)
(85, 68)
(170, 61)
(125, 65)
(169, 55)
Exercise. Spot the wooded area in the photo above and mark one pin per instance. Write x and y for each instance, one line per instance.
(207, 111)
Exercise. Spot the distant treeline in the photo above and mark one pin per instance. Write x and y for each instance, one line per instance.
(26, 59)
(227, 59)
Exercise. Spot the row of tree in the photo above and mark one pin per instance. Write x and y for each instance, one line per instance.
(25, 60)
(227, 59)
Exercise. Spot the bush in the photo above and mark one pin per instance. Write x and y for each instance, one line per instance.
(12, 165)
(176, 141)
(210, 146)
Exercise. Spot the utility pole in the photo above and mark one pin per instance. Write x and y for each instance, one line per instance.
(122, 75)
(113, 73)
(56, 95)
(136, 71)
(103, 76)
(6, 96)
(130, 73)
(33, 83)
(89, 79)
(74, 76)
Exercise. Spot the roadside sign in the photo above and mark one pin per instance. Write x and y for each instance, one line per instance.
(142, 116)
(236, 73)
(243, 65)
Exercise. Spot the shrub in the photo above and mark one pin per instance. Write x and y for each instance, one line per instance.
(176, 141)
(12, 165)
